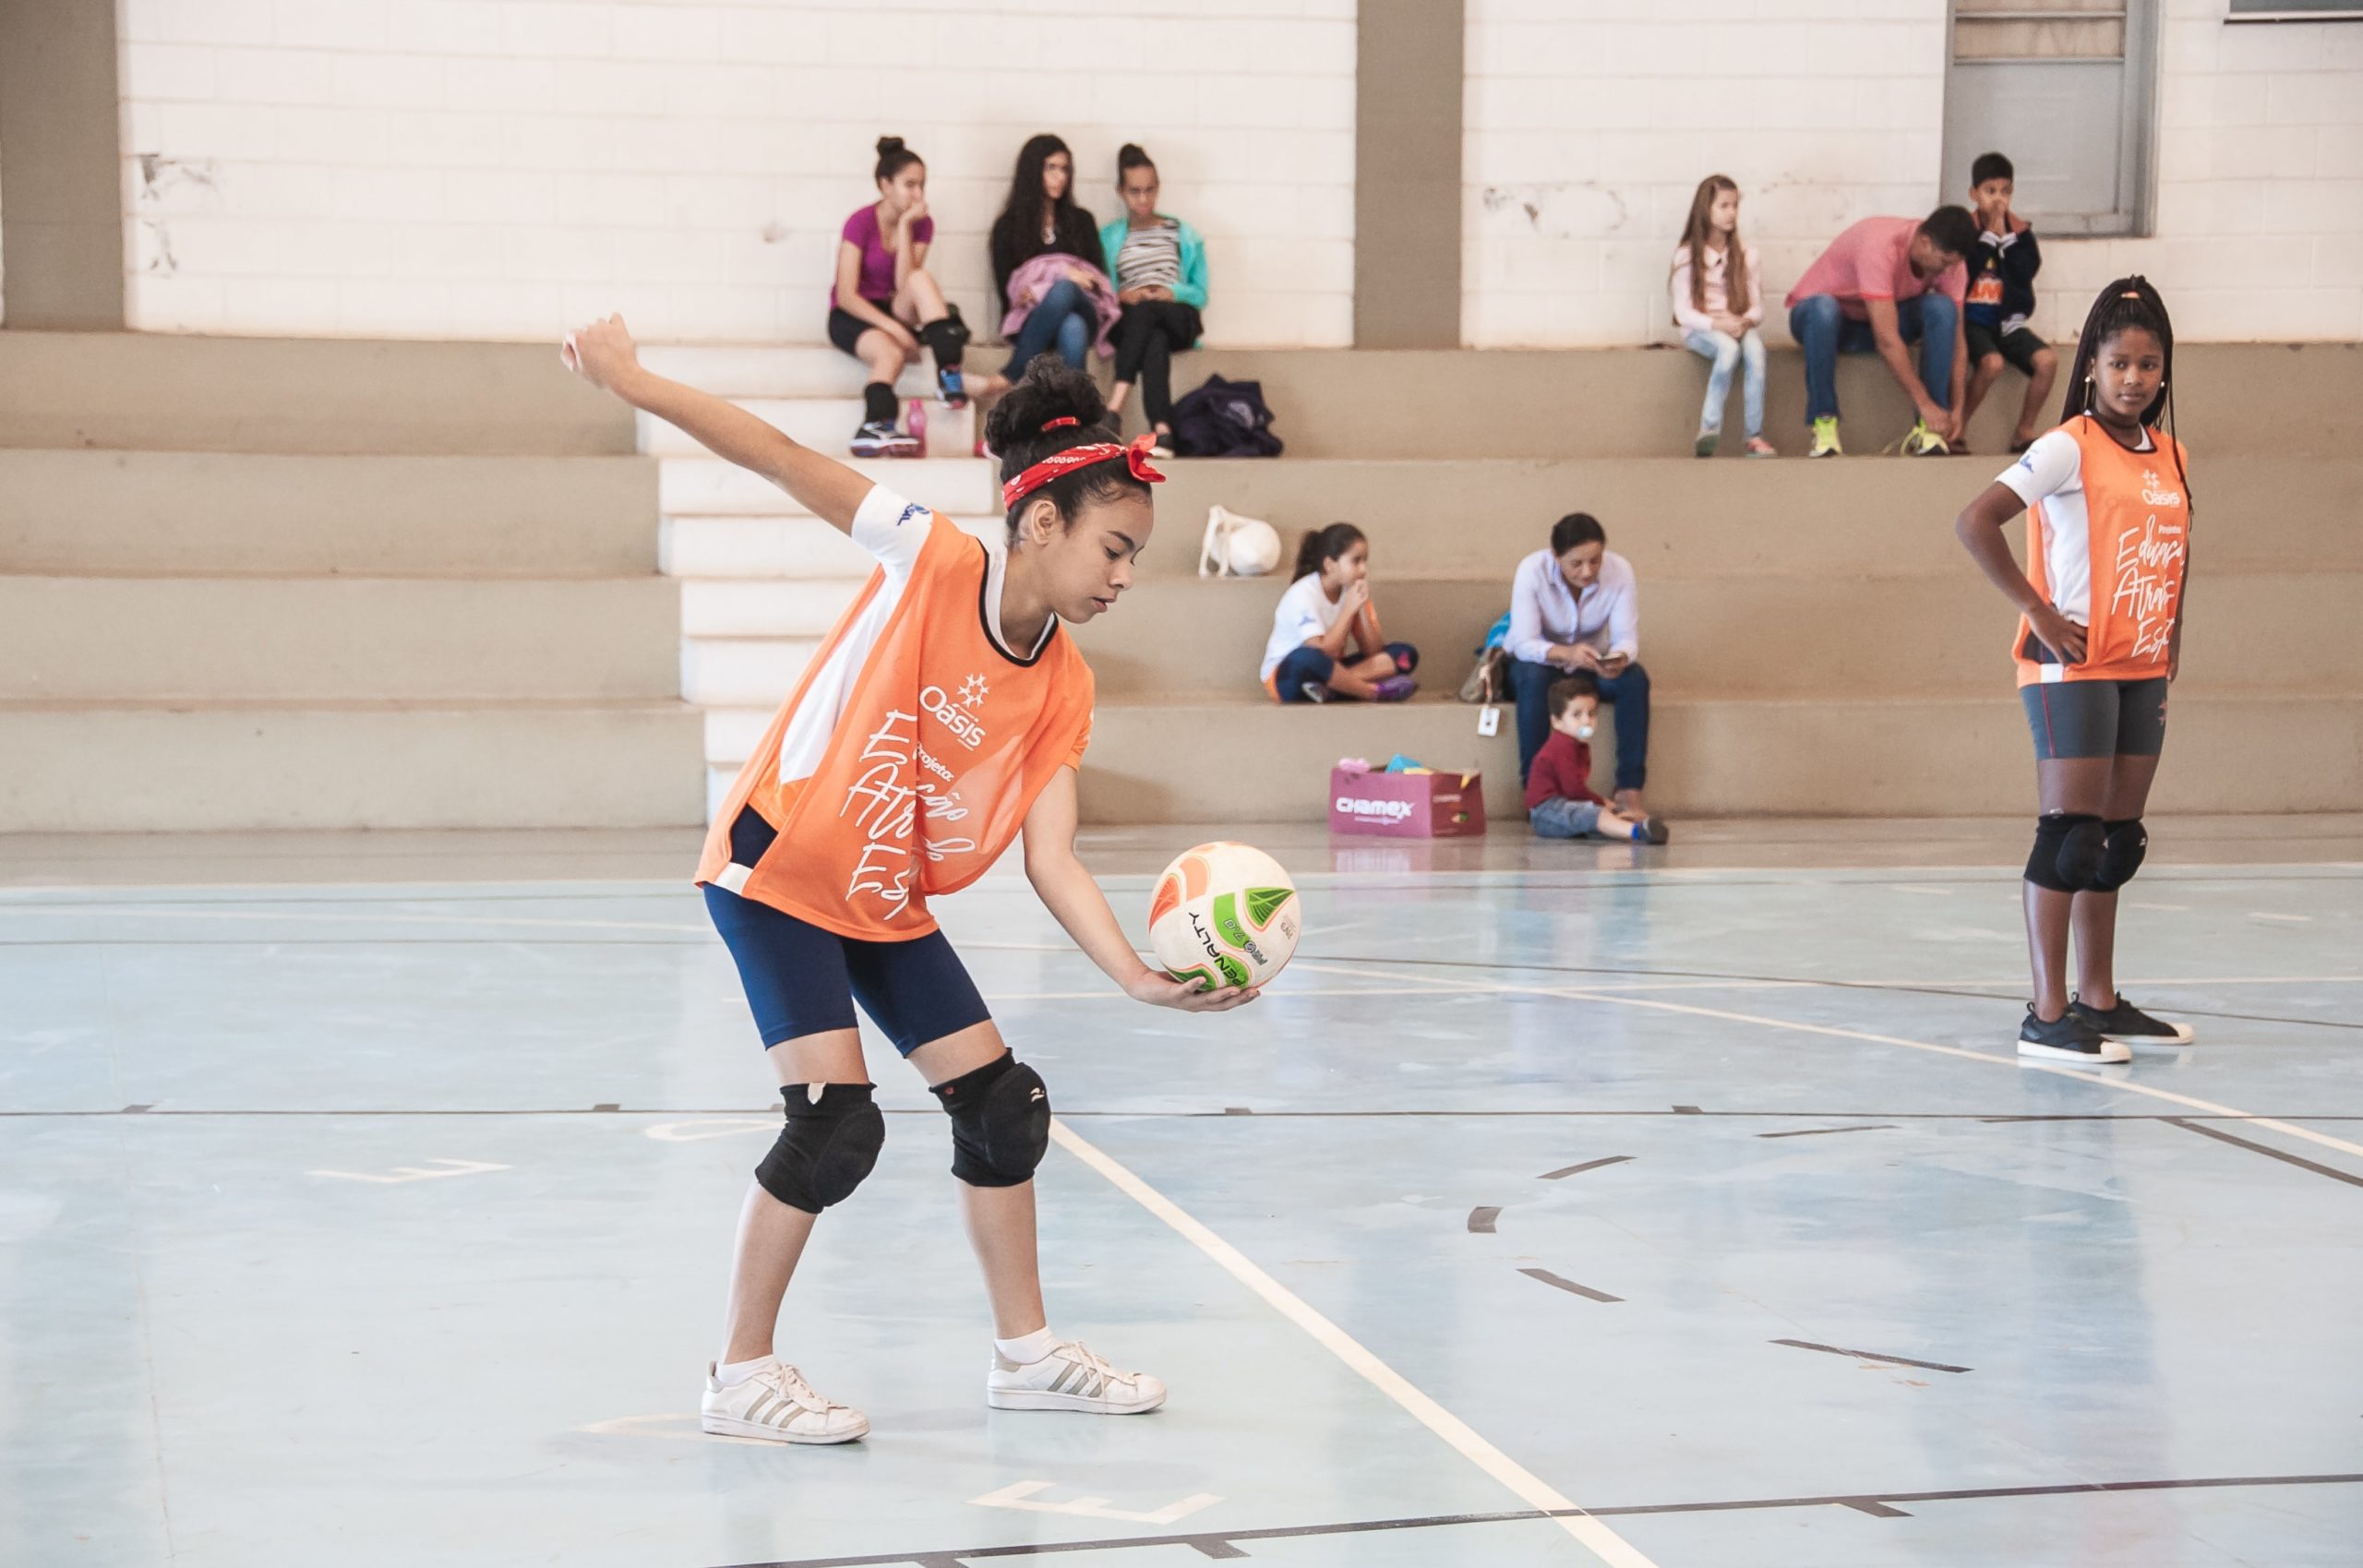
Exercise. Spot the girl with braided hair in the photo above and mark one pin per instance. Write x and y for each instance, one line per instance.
(945, 714)
(2099, 639)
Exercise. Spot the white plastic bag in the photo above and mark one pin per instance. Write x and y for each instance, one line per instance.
(1237, 546)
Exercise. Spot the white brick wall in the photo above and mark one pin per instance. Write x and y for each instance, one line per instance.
(500, 168)
(1590, 122)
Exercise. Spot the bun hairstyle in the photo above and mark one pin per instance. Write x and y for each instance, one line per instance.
(1130, 157)
(892, 158)
(1050, 390)
(1320, 545)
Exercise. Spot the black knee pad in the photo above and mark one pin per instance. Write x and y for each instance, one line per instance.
(827, 1148)
(1001, 1123)
(947, 339)
(2121, 851)
(2067, 850)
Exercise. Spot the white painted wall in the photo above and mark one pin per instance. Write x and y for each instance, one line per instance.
(1590, 122)
(500, 168)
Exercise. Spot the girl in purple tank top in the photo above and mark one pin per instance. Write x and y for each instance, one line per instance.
(885, 304)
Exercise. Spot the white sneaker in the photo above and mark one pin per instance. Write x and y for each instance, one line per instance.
(776, 1403)
(1071, 1378)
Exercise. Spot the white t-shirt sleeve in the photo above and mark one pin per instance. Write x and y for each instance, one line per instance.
(891, 528)
(1297, 621)
(2045, 469)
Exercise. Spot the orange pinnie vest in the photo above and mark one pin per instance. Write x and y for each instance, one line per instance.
(944, 744)
(2135, 549)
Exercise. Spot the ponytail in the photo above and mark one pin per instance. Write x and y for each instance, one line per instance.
(1322, 544)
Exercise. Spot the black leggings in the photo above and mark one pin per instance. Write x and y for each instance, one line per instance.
(1146, 334)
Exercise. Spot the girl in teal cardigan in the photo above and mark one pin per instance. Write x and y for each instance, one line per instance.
(1160, 266)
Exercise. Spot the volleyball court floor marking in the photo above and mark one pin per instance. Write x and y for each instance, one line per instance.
(1595, 1536)
(2127, 1082)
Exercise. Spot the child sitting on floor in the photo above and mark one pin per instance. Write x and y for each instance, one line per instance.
(1559, 799)
(1326, 607)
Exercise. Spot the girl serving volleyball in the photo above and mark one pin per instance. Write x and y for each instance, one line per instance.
(946, 714)
(2099, 639)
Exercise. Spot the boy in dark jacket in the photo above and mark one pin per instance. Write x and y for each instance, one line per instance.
(1559, 798)
(2001, 297)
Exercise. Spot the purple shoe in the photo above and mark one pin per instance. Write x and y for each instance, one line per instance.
(1394, 688)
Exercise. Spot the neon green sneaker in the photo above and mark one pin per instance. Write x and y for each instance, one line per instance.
(1922, 442)
(1825, 439)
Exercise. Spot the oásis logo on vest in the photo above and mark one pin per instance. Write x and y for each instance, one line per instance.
(964, 727)
(1375, 811)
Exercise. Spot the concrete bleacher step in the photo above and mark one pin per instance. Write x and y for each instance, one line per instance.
(736, 607)
(1462, 518)
(1246, 760)
(2266, 399)
(130, 767)
(743, 672)
(825, 425)
(774, 548)
(231, 513)
(1773, 636)
(705, 486)
(161, 392)
(775, 370)
(103, 638)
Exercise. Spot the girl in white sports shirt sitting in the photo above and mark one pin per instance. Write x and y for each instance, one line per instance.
(946, 713)
(1325, 641)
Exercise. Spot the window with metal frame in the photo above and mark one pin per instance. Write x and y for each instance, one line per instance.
(2067, 90)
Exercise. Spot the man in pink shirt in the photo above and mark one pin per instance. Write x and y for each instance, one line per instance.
(1883, 284)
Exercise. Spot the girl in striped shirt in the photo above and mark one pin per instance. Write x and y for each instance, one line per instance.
(1160, 268)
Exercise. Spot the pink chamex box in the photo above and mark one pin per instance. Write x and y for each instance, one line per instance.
(1407, 805)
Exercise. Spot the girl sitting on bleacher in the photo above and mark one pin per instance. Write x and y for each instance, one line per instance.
(1325, 610)
(1161, 266)
(1047, 263)
(884, 303)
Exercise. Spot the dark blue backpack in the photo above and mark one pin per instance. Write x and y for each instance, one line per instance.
(1224, 419)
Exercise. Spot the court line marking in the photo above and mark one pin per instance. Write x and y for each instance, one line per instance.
(1595, 1536)
(2270, 1153)
(2125, 1083)
(1870, 1355)
(1879, 1502)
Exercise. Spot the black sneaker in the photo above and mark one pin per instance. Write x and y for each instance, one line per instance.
(881, 439)
(2067, 1038)
(2129, 1024)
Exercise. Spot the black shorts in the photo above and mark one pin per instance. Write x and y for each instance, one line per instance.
(2096, 718)
(2020, 345)
(802, 980)
(845, 329)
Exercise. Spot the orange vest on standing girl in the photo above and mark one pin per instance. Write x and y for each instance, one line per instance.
(2108, 540)
(907, 757)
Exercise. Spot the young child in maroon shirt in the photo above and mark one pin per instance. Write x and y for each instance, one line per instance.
(1559, 799)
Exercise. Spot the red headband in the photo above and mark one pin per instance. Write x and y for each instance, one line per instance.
(1058, 464)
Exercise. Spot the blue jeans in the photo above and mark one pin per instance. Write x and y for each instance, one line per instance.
(1560, 818)
(1727, 352)
(1825, 332)
(1628, 693)
(1065, 316)
(1310, 665)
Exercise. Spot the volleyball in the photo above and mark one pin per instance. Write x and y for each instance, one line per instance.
(1225, 915)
